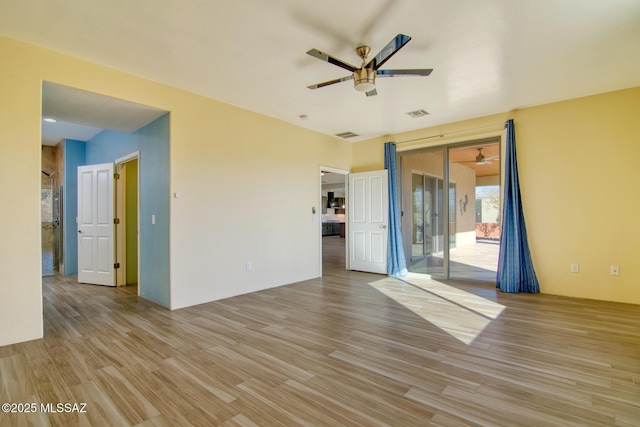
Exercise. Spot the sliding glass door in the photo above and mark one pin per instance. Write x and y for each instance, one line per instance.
(452, 234)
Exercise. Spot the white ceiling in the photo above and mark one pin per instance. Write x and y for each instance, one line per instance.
(488, 56)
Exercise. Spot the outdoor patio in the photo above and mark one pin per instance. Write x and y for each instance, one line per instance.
(478, 261)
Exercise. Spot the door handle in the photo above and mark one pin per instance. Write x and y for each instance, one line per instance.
(79, 231)
(384, 227)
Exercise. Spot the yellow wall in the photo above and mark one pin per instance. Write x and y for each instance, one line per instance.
(579, 174)
(369, 155)
(246, 187)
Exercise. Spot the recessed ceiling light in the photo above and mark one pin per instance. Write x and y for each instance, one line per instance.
(50, 120)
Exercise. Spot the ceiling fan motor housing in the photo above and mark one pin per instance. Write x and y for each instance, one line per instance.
(364, 79)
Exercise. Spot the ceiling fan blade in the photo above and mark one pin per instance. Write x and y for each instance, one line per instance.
(398, 73)
(330, 59)
(474, 162)
(331, 82)
(388, 51)
(372, 92)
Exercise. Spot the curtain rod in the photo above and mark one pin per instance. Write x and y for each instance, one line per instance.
(450, 133)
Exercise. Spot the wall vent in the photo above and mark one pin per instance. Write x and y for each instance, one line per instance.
(417, 113)
(346, 135)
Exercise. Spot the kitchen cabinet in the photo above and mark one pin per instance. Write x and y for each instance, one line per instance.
(331, 228)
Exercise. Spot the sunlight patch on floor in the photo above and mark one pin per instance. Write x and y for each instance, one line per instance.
(459, 313)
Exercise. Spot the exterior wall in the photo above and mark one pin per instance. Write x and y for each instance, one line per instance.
(465, 179)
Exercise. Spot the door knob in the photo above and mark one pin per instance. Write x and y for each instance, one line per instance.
(382, 226)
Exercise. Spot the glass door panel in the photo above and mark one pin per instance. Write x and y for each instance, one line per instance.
(434, 214)
(423, 212)
(472, 254)
(452, 215)
(417, 233)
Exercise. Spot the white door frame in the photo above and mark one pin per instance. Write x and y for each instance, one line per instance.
(121, 254)
(319, 211)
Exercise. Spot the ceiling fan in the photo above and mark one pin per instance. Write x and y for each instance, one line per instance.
(364, 78)
(481, 159)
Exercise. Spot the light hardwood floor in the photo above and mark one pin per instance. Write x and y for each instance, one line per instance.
(349, 349)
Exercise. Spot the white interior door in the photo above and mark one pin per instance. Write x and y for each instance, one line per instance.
(368, 221)
(95, 225)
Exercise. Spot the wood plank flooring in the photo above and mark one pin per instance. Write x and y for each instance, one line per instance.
(349, 349)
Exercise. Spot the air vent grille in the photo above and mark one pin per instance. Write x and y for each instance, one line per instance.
(417, 113)
(346, 135)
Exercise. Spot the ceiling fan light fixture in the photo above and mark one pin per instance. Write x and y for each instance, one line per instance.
(364, 79)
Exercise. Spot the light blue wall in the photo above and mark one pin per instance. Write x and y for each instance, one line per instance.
(75, 155)
(152, 141)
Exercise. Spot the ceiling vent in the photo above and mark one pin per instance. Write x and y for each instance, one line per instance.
(346, 135)
(417, 113)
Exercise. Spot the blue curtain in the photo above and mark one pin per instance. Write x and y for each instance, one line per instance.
(515, 267)
(396, 263)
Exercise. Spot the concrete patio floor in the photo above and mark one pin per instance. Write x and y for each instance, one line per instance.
(478, 261)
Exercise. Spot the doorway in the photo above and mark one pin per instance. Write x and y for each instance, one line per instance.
(127, 223)
(452, 233)
(332, 219)
(114, 127)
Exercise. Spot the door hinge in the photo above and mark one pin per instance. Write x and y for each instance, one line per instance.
(116, 265)
(116, 221)
(116, 176)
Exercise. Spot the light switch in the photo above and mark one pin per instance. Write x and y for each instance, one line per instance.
(153, 219)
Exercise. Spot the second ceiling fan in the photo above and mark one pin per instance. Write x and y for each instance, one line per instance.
(364, 78)
(481, 159)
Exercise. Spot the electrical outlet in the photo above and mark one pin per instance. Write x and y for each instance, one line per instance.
(575, 268)
(615, 270)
